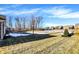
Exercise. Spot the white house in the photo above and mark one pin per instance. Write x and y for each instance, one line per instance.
(2, 26)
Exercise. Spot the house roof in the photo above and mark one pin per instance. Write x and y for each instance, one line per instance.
(2, 17)
(77, 24)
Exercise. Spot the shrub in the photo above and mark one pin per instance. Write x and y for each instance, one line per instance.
(66, 33)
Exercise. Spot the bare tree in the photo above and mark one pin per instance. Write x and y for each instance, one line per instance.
(18, 23)
(38, 21)
(35, 23)
(21, 22)
(10, 22)
(24, 23)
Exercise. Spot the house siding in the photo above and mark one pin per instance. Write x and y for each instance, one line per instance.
(2, 27)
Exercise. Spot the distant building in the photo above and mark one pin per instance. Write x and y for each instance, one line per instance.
(77, 28)
(2, 26)
(56, 27)
(68, 27)
(52, 27)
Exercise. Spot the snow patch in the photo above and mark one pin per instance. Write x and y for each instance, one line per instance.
(17, 34)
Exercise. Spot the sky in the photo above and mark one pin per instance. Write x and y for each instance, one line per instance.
(53, 14)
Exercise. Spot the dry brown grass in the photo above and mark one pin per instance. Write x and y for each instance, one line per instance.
(46, 46)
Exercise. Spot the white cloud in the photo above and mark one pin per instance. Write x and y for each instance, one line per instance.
(6, 12)
(61, 12)
(56, 11)
(19, 12)
(70, 15)
(32, 11)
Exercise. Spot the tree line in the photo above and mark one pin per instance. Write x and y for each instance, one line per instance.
(24, 23)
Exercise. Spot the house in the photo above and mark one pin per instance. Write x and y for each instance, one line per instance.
(68, 27)
(52, 27)
(77, 28)
(56, 27)
(2, 26)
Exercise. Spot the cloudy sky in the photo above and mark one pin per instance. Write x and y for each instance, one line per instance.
(53, 14)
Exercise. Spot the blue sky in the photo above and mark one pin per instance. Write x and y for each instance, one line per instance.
(53, 14)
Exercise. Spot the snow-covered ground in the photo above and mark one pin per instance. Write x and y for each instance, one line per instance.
(36, 32)
(17, 34)
(41, 32)
(27, 33)
(49, 31)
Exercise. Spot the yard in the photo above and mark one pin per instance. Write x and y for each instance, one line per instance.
(41, 44)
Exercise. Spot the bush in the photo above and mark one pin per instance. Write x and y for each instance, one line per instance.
(66, 33)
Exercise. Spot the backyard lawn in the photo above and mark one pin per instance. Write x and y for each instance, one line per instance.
(41, 44)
